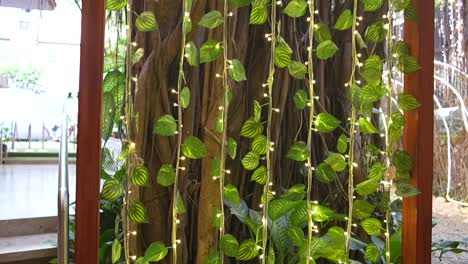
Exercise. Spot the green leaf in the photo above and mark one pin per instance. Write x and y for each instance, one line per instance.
(251, 128)
(156, 252)
(231, 195)
(146, 22)
(297, 70)
(362, 209)
(326, 122)
(116, 251)
(373, 68)
(377, 171)
(231, 148)
(367, 187)
(191, 53)
(296, 234)
(139, 53)
(137, 213)
(408, 64)
(295, 193)
(108, 114)
(166, 175)
(336, 234)
(399, 5)
(216, 167)
(193, 148)
(165, 126)
(180, 206)
(372, 226)
(401, 48)
(212, 19)
(336, 161)
(372, 5)
(362, 44)
(325, 173)
(398, 119)
(342, 145)
(247, 250)
(372, 93)
(258, 15)
(407, 102)
(114, 5)
(185, 97)
(217, 218)
(282, 53)
(187, 25)
(213, 258)
(321, 213)
(210, 51)
(219, 127)
(250, 161)
(402, 161)
(376, 32)
(229, 245)
(112, 190)
(280, 207)
(237, 71)
(298, 152)
(367, 127)
(322, 32)
(406, 190)
(259, 145)
(300, 99)
(257, 111)
(326, 49)
(372, 253)
(260, 175)
(140, 176)
(410, 12)
(240, 3)
(345, 20)
(296, 8)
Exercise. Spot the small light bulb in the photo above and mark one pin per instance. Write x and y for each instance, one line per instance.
(177, 221)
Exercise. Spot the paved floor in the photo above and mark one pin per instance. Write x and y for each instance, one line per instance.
(28, 191)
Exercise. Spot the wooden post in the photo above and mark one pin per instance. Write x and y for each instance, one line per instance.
(418, 136)
(88, 163)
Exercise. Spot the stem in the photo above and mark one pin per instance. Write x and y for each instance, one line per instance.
(175, 190)
(266, 188)
(352, 136)
(225, 120)
(387, 134)
(310, 223)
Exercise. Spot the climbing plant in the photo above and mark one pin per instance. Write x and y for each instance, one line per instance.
(345, 170)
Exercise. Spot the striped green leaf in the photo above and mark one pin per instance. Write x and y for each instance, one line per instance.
(229, 245)
(251, 128)
(372, 226)
(372, 5)
(140, 176)
(257, 111)
(408, 64)
(116, 251)
(402, 160)
(406, 190)
(259, 145)
(194, 148)
(146, 22)
(376, 32)
(112, 190)
(372, 93)
(282, 53)
(166, 175)
(410, 12)
(367, 127)
(250, 161)
(372, 253)
(377, 171)
(114, 5)
(258, 15)
(407, 102)
(137, 213)
(165, 126)
(345, 20)
(260, 175)
(398, 119)
(248, 250)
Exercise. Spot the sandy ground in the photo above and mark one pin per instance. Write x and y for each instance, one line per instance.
(453, 225)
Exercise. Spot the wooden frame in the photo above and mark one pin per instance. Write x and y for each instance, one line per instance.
(418, 137)
(88, 163)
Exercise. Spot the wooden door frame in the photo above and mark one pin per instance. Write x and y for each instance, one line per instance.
(88, 162)
(418, 134)
(418, 137)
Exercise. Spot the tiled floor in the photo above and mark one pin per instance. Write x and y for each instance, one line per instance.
(30, 190)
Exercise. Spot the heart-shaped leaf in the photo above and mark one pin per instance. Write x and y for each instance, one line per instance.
(260, 175)
(258, 15)
(165, 126)
(116, 251)
(362, 209)
(166, 175)
(140, 176)
(251, 128)
(250, 161)
(407, 102)
(137, 213)
(298, 152)
(372, 226)
(367, 127)
(336, 161)
(232, 147)
(112, 190)
(297, 70)
(146, 22)
(185, 97)
(296, 8)
(191, 53)
(156, 252)
(194, 148)
(114, 5)
(210, 51)
(237, 71)
(212, 19)
(345, 20)
(325, 173)
(229, 245)
(247, 250)
(326, 122)
(326, 49)
(231, 195)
